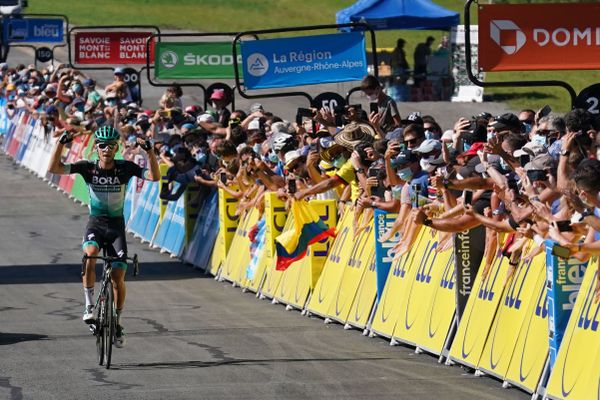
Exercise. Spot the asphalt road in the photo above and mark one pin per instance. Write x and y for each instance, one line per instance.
(189, 337)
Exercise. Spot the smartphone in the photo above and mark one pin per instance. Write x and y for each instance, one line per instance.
(545, 111)
(223, 178)
(468, 197)
(537, 175)
(560, 251)
(373, 108)
(292, 186)
(302, 113)
(524, 159)
(564, 226)
(416, 188)
(313, 146)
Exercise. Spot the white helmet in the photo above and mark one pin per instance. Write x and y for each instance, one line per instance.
(280, 140)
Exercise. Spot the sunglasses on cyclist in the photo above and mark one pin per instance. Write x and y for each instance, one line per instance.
(110, 146)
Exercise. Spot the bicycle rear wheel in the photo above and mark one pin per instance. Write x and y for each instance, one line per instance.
(109, 323)
(99, 330)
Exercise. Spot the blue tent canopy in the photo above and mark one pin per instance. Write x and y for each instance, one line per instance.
(399, 14)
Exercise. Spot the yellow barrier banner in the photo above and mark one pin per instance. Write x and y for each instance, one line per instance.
(294, 286)
(413, 325)
(218, 254)
(228, 222)
(361, 256)
(509, 319)
(302, 276)
(192, 204)
(434, 328)
(358, 317)
(575, 372)
(332, 271)
(276, 216)
(238, 258)
(531, 351)
(163, 182)
(388, 307)
(272, 276)
(275, 219)
(479, 313)
(263, 262)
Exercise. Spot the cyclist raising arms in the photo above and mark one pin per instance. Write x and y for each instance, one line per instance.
(107, 181)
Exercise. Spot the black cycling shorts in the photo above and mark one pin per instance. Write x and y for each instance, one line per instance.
(108, 233)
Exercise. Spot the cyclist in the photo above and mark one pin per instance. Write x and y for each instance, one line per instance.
(107, 181)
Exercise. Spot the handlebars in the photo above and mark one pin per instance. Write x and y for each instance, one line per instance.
(110, 259)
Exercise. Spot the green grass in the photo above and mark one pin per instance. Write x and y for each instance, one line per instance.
(241, 15)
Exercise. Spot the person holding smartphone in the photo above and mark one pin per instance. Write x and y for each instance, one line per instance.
(387, 110)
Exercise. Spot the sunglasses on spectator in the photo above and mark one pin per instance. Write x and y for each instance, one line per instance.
(411, 141)
(110, 146)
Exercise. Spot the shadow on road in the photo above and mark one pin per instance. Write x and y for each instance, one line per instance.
(12, 338)
(206, 364)
(65, 273)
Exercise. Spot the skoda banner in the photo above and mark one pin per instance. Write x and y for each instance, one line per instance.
(194, 61)
(307, 60)
(34, 30)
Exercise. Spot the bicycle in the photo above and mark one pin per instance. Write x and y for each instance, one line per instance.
(104, 327)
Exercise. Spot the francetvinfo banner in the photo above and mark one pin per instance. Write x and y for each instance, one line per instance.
(306, 60)
(521, 37)
(194, 60)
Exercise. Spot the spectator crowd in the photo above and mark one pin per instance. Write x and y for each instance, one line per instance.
(532, 175)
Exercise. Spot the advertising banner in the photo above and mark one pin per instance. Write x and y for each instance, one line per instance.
(527, 37)
(564, 277)
(306, 60)
(34, 30)
(384, 254)
(115, 48)
(575, 374)
(469, 247)
(194, 61)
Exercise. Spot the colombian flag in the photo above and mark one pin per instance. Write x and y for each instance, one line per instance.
(306, 230)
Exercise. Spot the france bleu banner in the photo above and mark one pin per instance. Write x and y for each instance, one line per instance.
(306, 60)
(34, 30)
(564, 277)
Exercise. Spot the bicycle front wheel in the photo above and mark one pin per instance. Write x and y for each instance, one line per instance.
(109, 323)
(100, 330)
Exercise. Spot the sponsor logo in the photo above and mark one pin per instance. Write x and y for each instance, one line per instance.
(258, 65)
(169, 59)
(106, 180)
(47, 31)
(507, 35)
